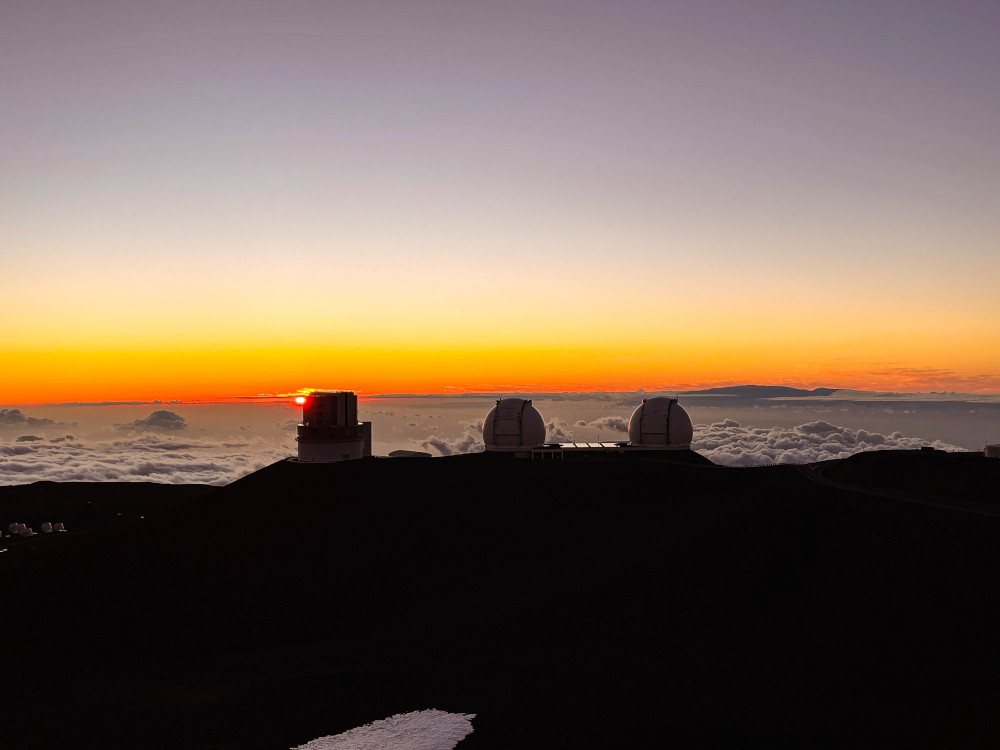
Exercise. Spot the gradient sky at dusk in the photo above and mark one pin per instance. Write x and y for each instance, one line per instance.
(205, 199)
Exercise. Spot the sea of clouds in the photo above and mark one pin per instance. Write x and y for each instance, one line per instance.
(731, 444)
(727, 443)
(146, 458)
(160, 446)
(217, 444)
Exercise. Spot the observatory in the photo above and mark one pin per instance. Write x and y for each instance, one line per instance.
(660, 424)
(516, 428)
(330, 430)
(513, 425)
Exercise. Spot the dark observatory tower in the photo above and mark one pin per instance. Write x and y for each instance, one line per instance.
(330, 430)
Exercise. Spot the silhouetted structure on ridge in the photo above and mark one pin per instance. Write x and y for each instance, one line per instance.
(330, 430)
(516, 427)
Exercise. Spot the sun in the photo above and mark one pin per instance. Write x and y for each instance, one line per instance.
(300, 400)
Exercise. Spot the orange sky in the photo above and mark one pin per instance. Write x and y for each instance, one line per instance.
(275, 331)
(398, 197)
(68, 375)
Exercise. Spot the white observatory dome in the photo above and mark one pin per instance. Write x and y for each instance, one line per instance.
(660, 423)
(513, 424)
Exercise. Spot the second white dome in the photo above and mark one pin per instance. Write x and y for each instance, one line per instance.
(513, 424)
(660, 423)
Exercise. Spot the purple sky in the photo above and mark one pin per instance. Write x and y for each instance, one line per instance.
(788, 167)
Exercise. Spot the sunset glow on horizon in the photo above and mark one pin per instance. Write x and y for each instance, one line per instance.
(450, 197)
(224, 375)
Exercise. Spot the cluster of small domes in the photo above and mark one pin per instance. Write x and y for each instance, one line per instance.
(659, 423)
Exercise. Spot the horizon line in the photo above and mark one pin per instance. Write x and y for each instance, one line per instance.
(493, 393)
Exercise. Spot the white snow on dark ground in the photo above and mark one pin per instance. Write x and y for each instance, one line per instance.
(417, 730)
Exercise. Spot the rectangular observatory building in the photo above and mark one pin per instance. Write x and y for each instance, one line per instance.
(330, 430)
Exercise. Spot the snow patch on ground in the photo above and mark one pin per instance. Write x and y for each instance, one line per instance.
(418, 730)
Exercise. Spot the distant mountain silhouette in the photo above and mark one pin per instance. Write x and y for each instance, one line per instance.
(764, 391)
(567, 604)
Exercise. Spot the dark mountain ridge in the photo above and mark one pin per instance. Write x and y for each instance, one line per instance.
(566, 604)
(763, 391)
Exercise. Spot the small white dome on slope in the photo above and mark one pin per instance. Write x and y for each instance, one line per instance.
(660, 423)
(513, 424)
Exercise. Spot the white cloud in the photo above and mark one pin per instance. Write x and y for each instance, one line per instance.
(160, 420)
(557, 430)
(20, 419)
(157, 443)
(215, 449)
(150, 458)
(470, 441)
(14, 450)
(731, 444)
(606, 424)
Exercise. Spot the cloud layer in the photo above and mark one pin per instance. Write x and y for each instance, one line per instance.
(730, 444)
(17, 417)
(214, 444)
(606, 424)
(158, 421)
(470, 441)
(147, 458)
(727, 443)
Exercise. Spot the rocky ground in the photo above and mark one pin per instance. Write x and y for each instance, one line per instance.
(566, 604)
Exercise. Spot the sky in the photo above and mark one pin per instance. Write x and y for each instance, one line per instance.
(208, 199)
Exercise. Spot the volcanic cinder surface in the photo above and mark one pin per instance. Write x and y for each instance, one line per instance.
(565, 604)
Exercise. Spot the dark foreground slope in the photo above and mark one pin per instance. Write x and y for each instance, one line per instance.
(567, 605)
